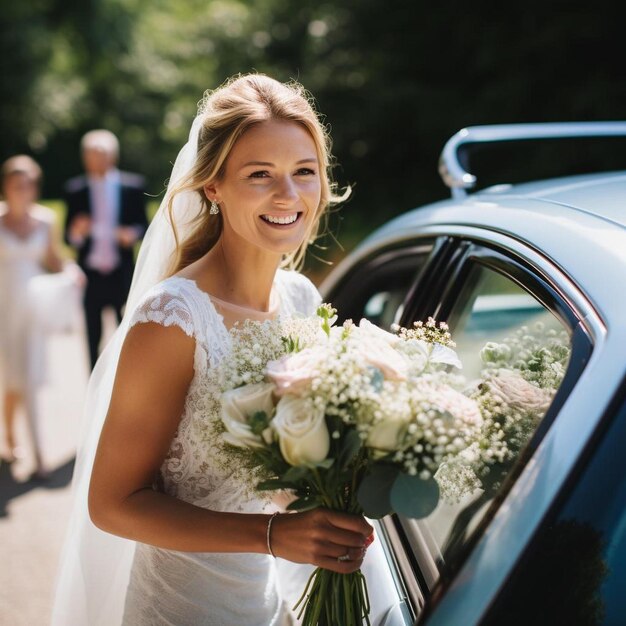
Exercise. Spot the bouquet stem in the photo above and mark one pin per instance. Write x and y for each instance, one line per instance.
(330, 598)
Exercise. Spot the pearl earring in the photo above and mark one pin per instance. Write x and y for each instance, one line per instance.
(215, 208)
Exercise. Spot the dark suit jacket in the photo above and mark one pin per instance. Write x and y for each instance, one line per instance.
(132, 213)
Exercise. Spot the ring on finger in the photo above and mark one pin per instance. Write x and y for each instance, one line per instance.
(344, 557)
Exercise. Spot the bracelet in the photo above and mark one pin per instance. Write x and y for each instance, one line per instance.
(268, 534)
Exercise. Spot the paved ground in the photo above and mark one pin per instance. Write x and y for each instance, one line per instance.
(33, 514)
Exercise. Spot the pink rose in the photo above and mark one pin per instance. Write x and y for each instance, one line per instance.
(517, 392)
(376, 348)
(293, 373)
(457, 405)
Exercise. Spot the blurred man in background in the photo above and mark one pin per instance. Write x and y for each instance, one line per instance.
(106, 216)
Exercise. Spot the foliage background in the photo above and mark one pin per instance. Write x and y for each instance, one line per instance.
(394, 79)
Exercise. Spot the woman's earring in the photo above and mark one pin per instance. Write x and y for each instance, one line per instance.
(215, 208)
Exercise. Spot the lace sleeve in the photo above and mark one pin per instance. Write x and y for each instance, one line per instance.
(164, 307)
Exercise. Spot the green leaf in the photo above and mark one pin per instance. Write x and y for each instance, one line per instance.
(294, 474)
(326, 463)
(351, 445)
(374, 491)
(269, 485)
(291, 344)
(304, 503)
(334, 422)
(414, 497)
(258, 422)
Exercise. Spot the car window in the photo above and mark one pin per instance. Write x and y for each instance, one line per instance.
(492, 309)
(378, 288)
(575, 571)
(511, 347)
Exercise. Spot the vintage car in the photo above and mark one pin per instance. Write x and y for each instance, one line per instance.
(545, 543)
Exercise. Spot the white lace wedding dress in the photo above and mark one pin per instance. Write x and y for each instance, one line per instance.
(195, 589)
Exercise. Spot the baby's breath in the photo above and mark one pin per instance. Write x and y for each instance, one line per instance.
(431, 332)
(398, 393)
(512, 409)
(253, 344)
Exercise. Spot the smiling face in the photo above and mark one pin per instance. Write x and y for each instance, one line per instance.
(271, 187)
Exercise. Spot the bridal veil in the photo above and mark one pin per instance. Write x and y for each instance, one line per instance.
(95, 566)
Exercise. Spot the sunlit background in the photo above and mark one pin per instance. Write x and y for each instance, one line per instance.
(394, 79)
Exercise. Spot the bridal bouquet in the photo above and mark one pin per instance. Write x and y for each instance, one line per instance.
(351, 418)
(519, 379)
(521, 375)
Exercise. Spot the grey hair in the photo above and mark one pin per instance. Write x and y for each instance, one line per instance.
(101, 139)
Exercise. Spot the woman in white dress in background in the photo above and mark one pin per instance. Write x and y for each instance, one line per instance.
(29, 247)
(245, 198)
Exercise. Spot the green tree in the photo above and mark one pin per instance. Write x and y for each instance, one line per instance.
(395, 81)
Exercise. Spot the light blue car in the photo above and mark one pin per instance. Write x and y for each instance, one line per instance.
(545, 543)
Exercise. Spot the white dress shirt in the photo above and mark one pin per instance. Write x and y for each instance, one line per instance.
(105, 206)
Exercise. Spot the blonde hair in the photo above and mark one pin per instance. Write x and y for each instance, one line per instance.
(20, 164)
(226, 114)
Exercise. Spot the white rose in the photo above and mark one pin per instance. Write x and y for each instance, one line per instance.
(368, 328)
(302, 433)
(422, 354)
(386, 434)
(376, 347)
(239, 405)
(417, 353)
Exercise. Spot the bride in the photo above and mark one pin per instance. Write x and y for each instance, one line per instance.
(245, 197)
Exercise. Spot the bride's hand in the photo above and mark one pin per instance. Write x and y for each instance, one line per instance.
(329, 539)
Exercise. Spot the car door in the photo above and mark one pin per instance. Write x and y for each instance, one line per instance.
(490, 289)
(574, 569)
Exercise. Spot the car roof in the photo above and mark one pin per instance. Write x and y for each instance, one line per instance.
(598, 196)
(591, 201)
(588, 210)
(603, 195)
(578, 222)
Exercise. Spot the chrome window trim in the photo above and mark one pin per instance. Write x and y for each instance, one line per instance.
(477, 583)
(400, 566)
(566, 288)
(421, 539)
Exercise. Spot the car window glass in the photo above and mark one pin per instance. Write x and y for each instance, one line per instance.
(385, 306)
(377, 289)
(514, 353)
